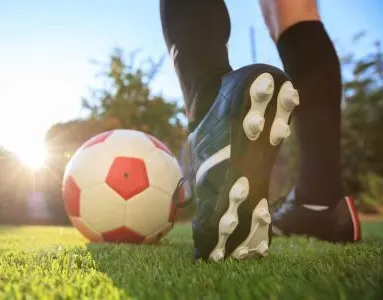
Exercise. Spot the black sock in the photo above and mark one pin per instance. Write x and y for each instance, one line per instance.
(197, 32)
(309, 58)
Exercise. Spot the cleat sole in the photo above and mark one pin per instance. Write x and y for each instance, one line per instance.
(256, 239)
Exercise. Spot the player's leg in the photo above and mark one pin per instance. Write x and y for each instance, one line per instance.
(309, 58)
(196, 34)
(238, 120)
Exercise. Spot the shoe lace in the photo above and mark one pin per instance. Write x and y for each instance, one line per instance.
(178, 201)
(287, 203)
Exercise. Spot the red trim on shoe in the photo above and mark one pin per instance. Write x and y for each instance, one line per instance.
(354, 217)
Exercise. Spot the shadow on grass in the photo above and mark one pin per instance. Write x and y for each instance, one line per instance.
(296, 268)
(140, 270)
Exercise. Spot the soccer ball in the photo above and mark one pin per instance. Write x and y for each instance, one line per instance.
(122, 186)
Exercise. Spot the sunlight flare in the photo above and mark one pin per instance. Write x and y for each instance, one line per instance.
(32, 156)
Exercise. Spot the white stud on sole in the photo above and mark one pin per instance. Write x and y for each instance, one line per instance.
(229, 221)
(287, 100)
(257, 242)
(290, 98)
(261, 91)
(280, 131)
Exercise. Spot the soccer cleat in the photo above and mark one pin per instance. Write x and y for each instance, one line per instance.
(231, 154)
(338, 224)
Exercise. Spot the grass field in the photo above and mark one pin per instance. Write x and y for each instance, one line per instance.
(57, 263)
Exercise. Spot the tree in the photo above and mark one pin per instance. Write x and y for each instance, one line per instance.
(68, 136)
(16, 182)
(362, 138)
(126, 96)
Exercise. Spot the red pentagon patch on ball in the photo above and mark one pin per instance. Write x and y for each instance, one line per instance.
(123, 234)
(127, 176)
(159, 144)
(71, 196)
(100, 138)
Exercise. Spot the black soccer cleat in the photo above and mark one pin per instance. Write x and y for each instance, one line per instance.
(231, 154)
(339, 224)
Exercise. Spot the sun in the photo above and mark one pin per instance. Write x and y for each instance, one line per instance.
(32, 156)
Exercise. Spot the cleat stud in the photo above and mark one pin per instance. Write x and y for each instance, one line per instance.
(279, 132)
(264, 88)
(290, 99)
(255, 124)
(217, 255)
(241, 253)
(228, 224)
(239, 190)
(264, 216)
(262, 248)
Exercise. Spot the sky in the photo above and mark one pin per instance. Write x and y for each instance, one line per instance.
(46, 48)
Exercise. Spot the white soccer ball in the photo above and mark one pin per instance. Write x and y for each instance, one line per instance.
(119, 186)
